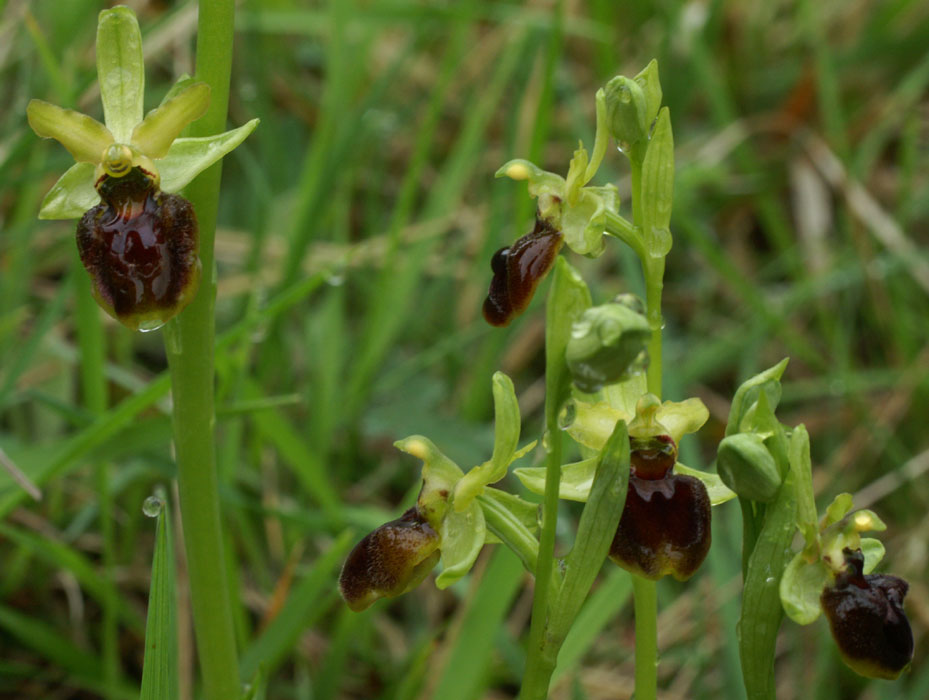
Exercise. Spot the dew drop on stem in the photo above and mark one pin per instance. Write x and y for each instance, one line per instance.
(153, 506)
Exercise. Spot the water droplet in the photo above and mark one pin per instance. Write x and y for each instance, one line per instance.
(149, 326)
(567, 415)
(153, 506)
(335, 280)
(769, 581)
(623, 147)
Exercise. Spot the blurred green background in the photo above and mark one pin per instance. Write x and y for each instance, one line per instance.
(356, 228)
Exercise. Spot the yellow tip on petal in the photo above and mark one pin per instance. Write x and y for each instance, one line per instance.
(863, 521)
(417, 448)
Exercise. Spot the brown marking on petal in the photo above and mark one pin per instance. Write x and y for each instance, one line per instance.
(140, 248)
(664, 528)
(865, 613)
(518, 270)
(652, 458)
(389, 561)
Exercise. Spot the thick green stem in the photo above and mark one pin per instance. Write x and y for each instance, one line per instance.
(646, 638)
(646, 604)
(189, 342)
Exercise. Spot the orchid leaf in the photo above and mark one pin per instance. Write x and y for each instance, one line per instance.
(120, 71)
(155, 134)
(83, 136)
(188, 157)
(72, 195)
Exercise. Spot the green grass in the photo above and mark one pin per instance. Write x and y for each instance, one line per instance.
(356, 227)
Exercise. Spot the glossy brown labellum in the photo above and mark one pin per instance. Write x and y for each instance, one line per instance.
(652, 458)
(518, 270)
(665, 527)
(865, 613)
(389, 561)
(140, 247)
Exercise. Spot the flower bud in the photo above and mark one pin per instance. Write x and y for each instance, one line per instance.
(390, 561)
(866, 616)
(140, 248)
(518, 269)
(605, 344)
(664, 529)
(627, 112)
(747, 467)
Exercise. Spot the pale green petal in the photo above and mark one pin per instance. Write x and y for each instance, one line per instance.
(593, 423)
(440, 474)
(463, 535)
(583, 224)
(188, 157)
(800, 588)
(120, 70)
(155, 134)
(682, 417)
(72, 195)
(574, 484)
(715, 488)
(83, 136)
(840, 507)
(873, 551)
(625, 395)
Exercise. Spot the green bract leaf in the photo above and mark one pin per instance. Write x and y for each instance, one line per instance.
(188, 157)
(440, 475)
(120, 71)
(747, 394)
(506, 437)
(155, 134)
(658, 187)
(801, 465)
(525, 512)
(72, 195)
(715, 488)
(873, 551)
(463, 536)
(574, 484)
(651, 87)
(800, 589)
(83, 136)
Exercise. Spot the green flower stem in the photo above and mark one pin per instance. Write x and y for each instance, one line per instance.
(189, 341)
(646, 638)
(93, 385)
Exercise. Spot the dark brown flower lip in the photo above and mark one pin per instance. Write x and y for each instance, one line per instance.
(518, 269)
(140, 248)
(389, 561)
(653, 457)
(868, 623)
(664, 528)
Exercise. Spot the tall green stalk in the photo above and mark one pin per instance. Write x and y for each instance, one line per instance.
(189, 341)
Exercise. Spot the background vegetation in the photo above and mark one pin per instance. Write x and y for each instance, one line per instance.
(356, 229)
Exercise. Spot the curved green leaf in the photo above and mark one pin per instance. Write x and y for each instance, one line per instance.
(120, 71)
(188, 157)
(160, 667)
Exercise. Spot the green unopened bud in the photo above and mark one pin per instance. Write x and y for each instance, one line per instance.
(606, 341)
(745, 465)
(627, 112)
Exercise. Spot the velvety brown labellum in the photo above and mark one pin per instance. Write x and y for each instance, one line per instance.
(140, 247)
(665, 527)
(867, 620)
(389, 561)
(518, 270)
(652, 458)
